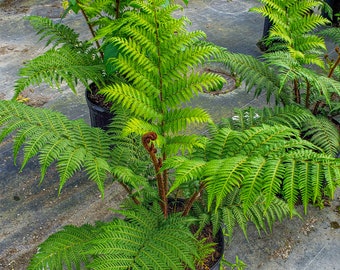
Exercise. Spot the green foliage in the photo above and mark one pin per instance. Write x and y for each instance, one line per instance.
(293, 69)
(293, 23)
(71, 59)
(282, 77)
(232, 214)
(251, 168)
(65, 249)
(55, 33)
(60, 65)
(49, 134)
(266, 161)
(142, 240)
(333, 33)
(318, 130)
(161, 75)
(323, 133)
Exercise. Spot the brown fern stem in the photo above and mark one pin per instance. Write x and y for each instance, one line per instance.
(330, 75)
(91, 30)
(117, 8)
(337, 62)
(307, 103)
(193, 198)
(297, 92)
(164, 177)
(157, 163)
(128, 190)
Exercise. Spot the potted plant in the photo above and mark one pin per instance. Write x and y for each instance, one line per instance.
(73, 59)
(294, 69)
(228, 177)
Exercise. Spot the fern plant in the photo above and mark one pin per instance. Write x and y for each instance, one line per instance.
(72, 59)
(294, 70)
(256, 174)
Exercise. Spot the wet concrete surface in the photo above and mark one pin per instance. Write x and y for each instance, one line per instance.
(29, 212)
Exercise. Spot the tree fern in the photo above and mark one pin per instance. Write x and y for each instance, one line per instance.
(292, 24)
(257, 75)
(236, 174)
(148, 54)
(286, 71)
(71, 59)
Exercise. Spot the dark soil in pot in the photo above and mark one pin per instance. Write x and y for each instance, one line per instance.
(100, 114)
(213, 261)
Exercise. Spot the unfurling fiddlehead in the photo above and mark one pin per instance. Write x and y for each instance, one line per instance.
(157, 163)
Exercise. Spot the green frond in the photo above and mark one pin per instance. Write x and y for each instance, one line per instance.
(155, 65)
(64, 249)
(183, 144)
(321, 132)
(290, 183)
(181, 88)
(132, 99)
(305, 184)
(68, 163)
(293, 27)
(322, 85)
(333, 33)
(258, 213)
(291, 115)
(276, 211)
(240, 218)
(144, 240)
(53, 137)
(222, 176)
(178, 119)
(128, 176)
(272, 179)
(267, 160)
(57, 66)
(332, 179)
(187, 170)
(140, 127)
(223, 144)
(252, 183)
(317, 178)
(97, 170)
(256, 74)
(55, 33)
(265, 140)
(96, 7)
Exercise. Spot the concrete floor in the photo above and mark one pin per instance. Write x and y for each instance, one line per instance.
(30, 212)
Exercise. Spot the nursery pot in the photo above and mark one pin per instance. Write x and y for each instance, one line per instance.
(220, 246)
(100, 116)
(177, 204)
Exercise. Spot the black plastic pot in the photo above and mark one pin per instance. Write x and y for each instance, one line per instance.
(220, 243)
(178, 202)
(100, 117)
